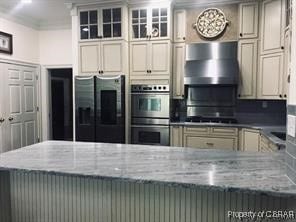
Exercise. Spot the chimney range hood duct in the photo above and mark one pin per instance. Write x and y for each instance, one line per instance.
(211, 64)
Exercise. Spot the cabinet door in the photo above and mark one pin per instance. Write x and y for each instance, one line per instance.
(210, 142)
(88, 24)
(250, 140)
(139, 23)
(179, 25)
(176, 136)
(247, 57)
(159, 23)
(178, 70)
(160, 55)
(248, 20)
(111, 22)
(89, 55)
(273, 21)
(270, 76)
(139, 52)
(287, 61)
(112, 57)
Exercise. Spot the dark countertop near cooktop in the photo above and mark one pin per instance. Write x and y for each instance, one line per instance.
(266, 130)
(244, 172)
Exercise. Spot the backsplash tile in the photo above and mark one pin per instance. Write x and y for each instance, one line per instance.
(290, 158)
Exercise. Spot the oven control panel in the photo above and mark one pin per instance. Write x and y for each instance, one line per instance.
(150, 88)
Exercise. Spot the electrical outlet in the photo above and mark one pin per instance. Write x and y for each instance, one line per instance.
(264, 104)
(291, 125)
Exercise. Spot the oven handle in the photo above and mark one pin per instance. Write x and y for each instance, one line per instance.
(150, 126)
(146, 93)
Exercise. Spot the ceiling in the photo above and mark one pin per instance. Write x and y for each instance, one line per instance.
(54, 14)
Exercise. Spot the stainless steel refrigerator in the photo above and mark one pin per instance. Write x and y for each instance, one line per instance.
(100, 109)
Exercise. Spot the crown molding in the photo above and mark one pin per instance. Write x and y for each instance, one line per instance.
(194, 4)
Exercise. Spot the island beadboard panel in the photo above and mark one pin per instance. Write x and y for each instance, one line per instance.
(40, 197)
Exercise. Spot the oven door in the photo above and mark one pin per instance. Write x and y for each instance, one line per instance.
(151, 135)
(151, 105)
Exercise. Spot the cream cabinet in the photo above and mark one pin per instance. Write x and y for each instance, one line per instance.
(270, 81)
(211, 137)
(287, 62)
(247, 58)
(266, 145)
(273, 24)
(249, 140)
(107, 57)
(176, 136)
(178, 70)
(150, 22)
(248, 20)
(149, 59)
(179, 25)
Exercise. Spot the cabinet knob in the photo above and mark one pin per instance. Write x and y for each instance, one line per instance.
(10, 118)
(2, 120)
(281, 96)
(282, 47)
(285, 95)
(184, 38)
(102, 71)
(150, 71)
(239, 95)
(147, 71)
(240, 34)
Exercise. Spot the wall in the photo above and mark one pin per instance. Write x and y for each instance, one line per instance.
(55, 47)
(231, 33)
(25, 42)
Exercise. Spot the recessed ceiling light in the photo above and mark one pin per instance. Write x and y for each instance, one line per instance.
(26, 1)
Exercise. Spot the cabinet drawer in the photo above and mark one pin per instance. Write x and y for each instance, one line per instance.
(210, 142)
(224, 131)
(199, 130)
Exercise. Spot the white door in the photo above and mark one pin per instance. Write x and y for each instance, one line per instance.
(2, 106)
(178, 70)
(112, 57)
(20, 106)
(160, 54)
(271, 76)
(247, 57)
(272, 34)
(139, 52)
(248, 20)
(89, 55)
(179, 25)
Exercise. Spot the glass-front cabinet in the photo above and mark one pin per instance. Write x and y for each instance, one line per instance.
(150, 23)
(101, 23)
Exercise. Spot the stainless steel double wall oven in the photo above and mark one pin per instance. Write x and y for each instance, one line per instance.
(150, 114)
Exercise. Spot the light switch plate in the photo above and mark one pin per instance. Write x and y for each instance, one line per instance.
(291, 125)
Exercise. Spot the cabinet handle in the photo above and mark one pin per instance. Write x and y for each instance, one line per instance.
(210, 144)
(2, 120)
(10, 118)
(289, 78)
(240, 34)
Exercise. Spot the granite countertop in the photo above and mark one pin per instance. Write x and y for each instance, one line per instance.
(264, 129)
(211, 169)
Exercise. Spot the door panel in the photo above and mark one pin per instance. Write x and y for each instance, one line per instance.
(20, 113)
(160, 58)
(89, 58)
(139, 58)
(112, 57)
(249, 20)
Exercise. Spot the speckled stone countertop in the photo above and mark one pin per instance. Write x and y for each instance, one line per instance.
(264, 129)
(210, 169)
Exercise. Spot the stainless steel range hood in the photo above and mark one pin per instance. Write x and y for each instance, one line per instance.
(211, 64)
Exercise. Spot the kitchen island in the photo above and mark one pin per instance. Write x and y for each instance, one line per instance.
(73, 181)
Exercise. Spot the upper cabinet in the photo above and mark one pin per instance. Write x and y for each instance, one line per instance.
(179, 25)
(148, 23)
(178, 70)
(102, 23)
(273, 25)
(248, 14)
(149, 59)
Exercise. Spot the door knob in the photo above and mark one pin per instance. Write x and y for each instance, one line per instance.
(2, 120)
(10, 118)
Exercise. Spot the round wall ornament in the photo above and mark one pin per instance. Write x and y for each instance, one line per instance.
(211, 23)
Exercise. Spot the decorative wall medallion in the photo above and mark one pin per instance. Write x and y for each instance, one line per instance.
(211, 23)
